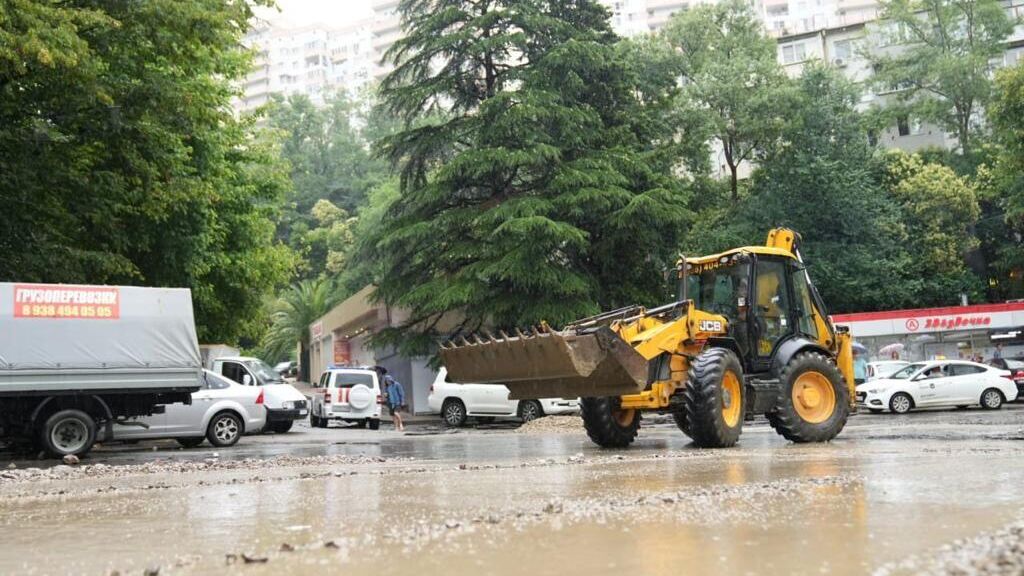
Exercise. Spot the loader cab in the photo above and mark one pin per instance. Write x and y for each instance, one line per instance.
(767, 299)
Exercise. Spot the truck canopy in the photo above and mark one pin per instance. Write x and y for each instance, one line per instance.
(56, 327)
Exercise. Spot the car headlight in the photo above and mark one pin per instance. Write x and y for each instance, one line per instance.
(875, 391)
(288, 405)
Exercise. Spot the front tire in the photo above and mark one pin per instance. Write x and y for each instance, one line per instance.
(714, 399)
(682, 422)
(68, 432)
(900, 403)
(992, 399)
(813, 402)
(225, 430)
(607, 424)
(530, 410)
(453, 412)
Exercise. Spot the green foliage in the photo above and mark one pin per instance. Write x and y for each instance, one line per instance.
(291, 315)
(536, 192)
(939, 209)
(121, 161)
(1002, 184)
(938, 53)
(733, 87)
(330, 161)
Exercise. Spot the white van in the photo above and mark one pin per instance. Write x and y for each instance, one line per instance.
(285, 404)
(347, 395)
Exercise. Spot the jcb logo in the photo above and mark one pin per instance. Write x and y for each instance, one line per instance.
(710, 326)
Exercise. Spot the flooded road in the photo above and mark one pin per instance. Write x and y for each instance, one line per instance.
(501, 502)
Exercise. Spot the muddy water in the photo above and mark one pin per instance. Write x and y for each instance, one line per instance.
(532, 505)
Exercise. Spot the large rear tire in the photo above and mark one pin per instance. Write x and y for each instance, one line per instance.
(607, 424)
(715, 400)
(813, 402)
(68, 432)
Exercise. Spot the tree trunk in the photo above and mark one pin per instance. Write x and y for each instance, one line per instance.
(734, 182)
(304, 363)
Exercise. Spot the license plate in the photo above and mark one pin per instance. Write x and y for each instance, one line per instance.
(303, 412)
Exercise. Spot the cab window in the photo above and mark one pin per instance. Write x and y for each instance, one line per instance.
(804, 304)
(772, 305)
(350, 379)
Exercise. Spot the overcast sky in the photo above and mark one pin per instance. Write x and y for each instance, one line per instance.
(303, 12)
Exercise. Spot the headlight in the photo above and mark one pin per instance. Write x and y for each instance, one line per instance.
(288, 405)
(875, 391)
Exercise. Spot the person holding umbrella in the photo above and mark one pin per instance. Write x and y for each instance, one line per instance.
(860, 363)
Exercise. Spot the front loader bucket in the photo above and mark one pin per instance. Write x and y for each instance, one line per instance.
(550, 364)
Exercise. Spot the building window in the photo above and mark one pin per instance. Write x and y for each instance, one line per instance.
(793, 53)
(843, 50)
(781, 10)
(903, 125)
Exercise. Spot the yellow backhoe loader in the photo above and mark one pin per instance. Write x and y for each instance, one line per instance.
(747, 335)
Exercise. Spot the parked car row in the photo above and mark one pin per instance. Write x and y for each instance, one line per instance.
(932, 384)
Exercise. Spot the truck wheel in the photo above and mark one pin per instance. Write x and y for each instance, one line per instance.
(362, 423)
(224, 430)
(714, 399)
(281, 427)
(189, 442)
(813, 402)
(374, 423)
(607, 424)
(68, 432)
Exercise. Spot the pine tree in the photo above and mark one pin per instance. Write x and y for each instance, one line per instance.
(536, 190)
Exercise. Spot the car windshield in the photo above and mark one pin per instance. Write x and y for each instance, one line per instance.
(717, 287)
(263, 371)
(350, 379)
(907, 371)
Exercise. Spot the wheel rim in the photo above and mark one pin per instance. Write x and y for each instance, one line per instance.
(623, 417)
(900, 404)
(732, 399)
(225, 429)
(529, 412)
(70, 435)
(813, 397)
(454, 413)
(992, 399)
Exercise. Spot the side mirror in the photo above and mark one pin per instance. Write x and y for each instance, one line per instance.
(247, 380)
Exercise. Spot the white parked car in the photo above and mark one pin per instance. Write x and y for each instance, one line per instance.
(347, 395)
(885, 368)
(285, 404)
(221, 412)
(457, 402)
(938, 383)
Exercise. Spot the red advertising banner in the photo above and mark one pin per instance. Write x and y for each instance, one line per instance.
(82, 302)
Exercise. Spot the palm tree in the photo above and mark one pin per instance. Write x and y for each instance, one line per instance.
(298, 307)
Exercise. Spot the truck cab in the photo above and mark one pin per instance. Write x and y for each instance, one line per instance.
(284, 403)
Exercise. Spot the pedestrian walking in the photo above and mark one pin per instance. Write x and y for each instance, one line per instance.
(394, 395)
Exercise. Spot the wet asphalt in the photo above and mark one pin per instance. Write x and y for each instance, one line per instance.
(494, 500)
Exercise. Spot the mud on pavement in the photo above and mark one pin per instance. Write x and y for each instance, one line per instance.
(891, 496)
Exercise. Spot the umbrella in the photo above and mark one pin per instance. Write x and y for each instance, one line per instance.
(888, 350)
(859, 348)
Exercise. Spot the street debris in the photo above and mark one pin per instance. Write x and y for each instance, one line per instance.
(570, 424)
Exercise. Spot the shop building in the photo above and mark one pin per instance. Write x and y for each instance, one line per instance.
(342, 338)
(956, 332)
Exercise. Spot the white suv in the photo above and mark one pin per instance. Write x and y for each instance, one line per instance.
(456, 402)
(348, 395)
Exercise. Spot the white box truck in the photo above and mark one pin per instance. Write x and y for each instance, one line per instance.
(74, 360)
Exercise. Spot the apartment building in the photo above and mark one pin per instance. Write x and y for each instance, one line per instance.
(313, 60)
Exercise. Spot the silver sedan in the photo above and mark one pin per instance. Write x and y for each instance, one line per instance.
(221, 412)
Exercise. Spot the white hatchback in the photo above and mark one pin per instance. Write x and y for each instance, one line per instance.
(936, 384)
(346, 395)
(457, 402)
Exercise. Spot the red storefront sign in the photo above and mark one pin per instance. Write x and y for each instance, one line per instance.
(78, 302)
(342, 352)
